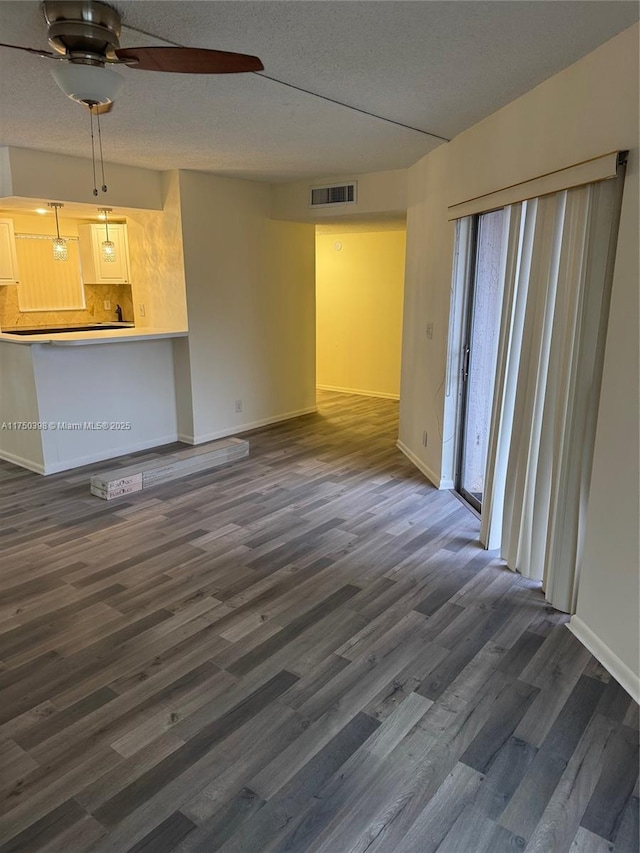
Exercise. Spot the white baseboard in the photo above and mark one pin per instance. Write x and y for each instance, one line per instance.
(36, 467)
(108, 453)
(608, 658)
(80, 461)
(421, 466)
(240, 428)
(359, 392)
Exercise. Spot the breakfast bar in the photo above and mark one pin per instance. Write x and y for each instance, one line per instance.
(68, 399)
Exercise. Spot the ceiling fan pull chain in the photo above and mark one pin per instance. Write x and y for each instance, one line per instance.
(104, 185)
(93, 151)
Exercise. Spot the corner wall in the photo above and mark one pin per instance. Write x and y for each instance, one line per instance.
(251, 310)
(584, 111)
(157, 262)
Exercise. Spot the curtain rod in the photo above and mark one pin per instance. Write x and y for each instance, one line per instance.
(24, 236)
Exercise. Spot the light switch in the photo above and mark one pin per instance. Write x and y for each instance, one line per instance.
(107, 305)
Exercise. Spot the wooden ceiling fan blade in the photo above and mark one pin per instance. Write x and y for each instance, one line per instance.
(188, 60)
(44, 53)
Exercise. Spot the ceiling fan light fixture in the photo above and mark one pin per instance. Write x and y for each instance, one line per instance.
(93, 84)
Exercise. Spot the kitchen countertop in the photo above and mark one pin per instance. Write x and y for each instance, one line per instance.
(95, 336)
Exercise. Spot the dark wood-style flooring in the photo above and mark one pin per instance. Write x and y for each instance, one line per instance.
(303, 651)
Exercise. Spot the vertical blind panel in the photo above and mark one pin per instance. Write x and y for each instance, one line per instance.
(504, 390)
(531, 376)
(560, 399)
(47, 284)
(558, 273)
(592, 280)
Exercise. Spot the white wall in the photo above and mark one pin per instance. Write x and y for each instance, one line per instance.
(359, 291)
(609, 586)
(6, 183)
(42, 175)
(116, 382)
(426, 300)
(19, 402)
(251, 309)
(588, 109)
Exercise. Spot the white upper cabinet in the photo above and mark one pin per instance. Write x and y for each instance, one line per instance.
(8, 262)
(95, 269)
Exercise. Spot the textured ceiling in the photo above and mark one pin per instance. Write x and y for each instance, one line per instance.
(438, 66)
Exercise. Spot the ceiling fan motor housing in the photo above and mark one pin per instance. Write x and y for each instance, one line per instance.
(86, 31)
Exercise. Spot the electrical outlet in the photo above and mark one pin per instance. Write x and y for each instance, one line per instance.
(424, 438)
(106, 305)
(141, 309)
(429, 331)
(238, 406)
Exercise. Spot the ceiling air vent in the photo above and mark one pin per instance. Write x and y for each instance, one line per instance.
(325, 196)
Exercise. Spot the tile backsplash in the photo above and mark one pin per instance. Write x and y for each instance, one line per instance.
(95, 295)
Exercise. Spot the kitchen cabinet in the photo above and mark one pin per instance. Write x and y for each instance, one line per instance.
(8, 261)
(95, 270)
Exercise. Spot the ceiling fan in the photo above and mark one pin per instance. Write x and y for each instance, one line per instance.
(86, 37)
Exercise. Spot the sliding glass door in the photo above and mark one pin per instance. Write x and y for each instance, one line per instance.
(484, 299)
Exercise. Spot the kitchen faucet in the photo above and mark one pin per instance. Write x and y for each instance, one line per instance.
(119, 313)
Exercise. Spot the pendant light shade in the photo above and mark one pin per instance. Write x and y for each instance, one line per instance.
(60, 252)
(108, 246)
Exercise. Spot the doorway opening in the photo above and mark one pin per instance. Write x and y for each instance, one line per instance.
(360, 269)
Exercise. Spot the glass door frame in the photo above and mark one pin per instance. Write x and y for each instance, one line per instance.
(467, 328)
(480, 312)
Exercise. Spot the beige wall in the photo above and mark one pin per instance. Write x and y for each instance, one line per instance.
(251, 309)
(588, 109)
(157, 262)
(359, 291)
(377, 194)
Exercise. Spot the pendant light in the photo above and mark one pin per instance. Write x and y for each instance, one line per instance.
(60, 252)
(108, 246)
